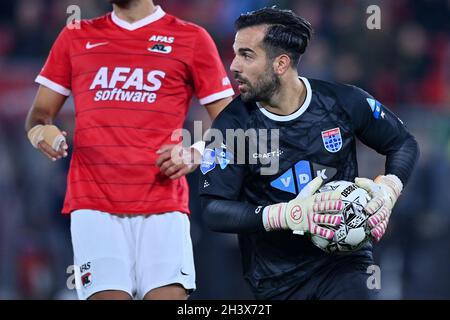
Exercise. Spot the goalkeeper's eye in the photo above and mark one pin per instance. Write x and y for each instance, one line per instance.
(246, 56)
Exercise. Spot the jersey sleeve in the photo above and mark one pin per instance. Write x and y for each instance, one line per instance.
(57, 72)
(210, 79)
(221, 174)
(380, 129)
(373, 123)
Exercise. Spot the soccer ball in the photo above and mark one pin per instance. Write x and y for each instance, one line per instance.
(353, 232)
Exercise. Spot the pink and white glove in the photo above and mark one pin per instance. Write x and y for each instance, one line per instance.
(307, 213)
(384, 191)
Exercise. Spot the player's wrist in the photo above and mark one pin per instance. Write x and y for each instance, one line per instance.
(199, 146)
(393, 185)
(196, 154)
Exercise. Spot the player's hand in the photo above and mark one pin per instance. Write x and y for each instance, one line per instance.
(176, 161)
(308, 212)
(384, 191)
(49, 140)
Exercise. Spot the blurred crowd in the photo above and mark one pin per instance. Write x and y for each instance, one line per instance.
(405, 65)
(406, 61)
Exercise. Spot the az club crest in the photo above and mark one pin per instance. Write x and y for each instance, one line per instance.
(86, 279)
(332, 140)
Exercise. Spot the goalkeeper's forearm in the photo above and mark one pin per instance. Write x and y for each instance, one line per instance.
(401, 161)
(231, 216)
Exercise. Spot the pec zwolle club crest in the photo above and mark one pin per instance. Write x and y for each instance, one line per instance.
(332, 140)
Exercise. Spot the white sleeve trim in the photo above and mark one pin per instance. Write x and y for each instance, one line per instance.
(217, 96)
(52, 85)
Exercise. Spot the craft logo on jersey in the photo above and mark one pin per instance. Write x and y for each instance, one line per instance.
(223, 157)
(332, 140)
(376, 108)
(296, 178)
(271, 154)
(208, 161)
(127, 84)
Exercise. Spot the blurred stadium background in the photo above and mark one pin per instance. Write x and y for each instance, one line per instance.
(406, 65)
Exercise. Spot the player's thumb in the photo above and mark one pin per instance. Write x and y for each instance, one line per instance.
(311, 188)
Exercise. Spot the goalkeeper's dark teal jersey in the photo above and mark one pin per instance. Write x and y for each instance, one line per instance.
(274, 165)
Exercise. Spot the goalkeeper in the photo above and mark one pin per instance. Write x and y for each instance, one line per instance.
(314, 128)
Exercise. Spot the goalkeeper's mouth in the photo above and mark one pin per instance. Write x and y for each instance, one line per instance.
(241, 84)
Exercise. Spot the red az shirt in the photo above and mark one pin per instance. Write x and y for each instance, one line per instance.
(132, 85)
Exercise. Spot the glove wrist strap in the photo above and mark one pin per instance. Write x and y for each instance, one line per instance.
(393, 182)
(274, 217)
(398, 183)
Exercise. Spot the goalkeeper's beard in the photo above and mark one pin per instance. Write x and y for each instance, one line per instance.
(264, 88)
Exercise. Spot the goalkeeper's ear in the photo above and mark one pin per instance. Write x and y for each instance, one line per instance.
(311, 188)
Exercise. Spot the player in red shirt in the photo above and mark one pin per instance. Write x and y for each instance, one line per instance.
(132, 74)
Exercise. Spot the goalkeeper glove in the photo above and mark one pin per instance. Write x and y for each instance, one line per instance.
(384, 191)
(306, 212)
(48, 133)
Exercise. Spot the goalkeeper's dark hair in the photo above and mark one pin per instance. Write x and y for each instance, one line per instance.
(287, 32)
